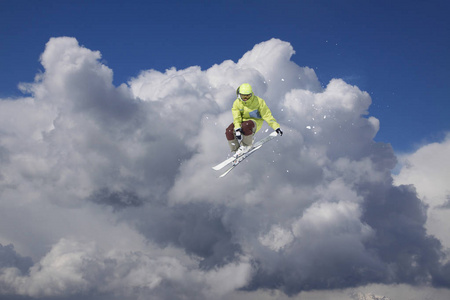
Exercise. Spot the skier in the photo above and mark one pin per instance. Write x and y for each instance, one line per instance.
(249, 113)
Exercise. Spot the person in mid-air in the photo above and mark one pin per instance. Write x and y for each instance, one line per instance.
(249, 113)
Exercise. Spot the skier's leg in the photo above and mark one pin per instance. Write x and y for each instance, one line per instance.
(249, 130)
(231, 137)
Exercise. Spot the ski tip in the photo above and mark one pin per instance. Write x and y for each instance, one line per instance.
(274, 134)
(224, 174)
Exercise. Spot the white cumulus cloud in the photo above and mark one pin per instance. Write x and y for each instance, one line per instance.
(428, 169)
(107, 191)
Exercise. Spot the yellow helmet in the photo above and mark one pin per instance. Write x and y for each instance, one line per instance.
(245, 89)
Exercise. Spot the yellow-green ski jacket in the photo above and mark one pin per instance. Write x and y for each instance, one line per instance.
(254, 109)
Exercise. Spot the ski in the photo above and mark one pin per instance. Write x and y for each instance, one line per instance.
(240, 159)
(224, 163)
(257, 144)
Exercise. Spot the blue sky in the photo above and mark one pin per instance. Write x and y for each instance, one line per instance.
(397, 51)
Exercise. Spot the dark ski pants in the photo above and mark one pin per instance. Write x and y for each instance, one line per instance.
(248, 129)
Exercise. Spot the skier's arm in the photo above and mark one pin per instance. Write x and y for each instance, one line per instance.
(237, 116)
(266, 114)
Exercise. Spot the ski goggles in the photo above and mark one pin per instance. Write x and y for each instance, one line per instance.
(245, 97)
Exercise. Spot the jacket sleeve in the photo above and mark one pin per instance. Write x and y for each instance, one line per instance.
(237, 116)
(266, 115)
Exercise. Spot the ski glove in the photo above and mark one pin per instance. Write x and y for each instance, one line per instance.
(279, 131)
(238, 134)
